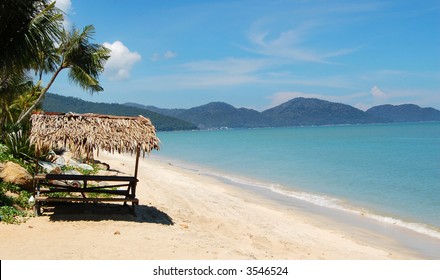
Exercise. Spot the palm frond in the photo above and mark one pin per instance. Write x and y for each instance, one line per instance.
(85, 59)
(27, 27)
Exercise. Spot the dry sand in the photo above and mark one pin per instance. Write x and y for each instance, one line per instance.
(184, 215)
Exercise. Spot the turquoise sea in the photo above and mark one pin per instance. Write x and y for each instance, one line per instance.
(389, 172)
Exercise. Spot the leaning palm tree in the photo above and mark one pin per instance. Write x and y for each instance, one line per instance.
(84, 60)
(12, 86)
(27, 27)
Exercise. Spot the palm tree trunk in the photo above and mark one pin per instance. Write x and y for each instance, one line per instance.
(26, 113)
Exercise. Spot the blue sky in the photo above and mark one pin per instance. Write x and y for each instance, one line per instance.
(258, 54)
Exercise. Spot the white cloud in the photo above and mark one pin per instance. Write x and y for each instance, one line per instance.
(228, 65)
(155, 57)
(66, 7)
(166, 55)
(121, 61)
(378, 93)
(290, 44)
(169, 55)
(194, 81)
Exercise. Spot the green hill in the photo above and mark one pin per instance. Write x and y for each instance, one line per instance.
(405, 113)
(313, 111)
(63, 104)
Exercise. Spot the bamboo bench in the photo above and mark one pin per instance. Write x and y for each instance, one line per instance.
(66, 183)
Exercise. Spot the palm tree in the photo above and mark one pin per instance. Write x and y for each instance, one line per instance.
(27, 27)
(12, 86)
(84, 60)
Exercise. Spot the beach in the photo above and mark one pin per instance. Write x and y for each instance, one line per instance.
(185, 215)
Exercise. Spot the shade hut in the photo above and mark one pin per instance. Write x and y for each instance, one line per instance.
(83, 134)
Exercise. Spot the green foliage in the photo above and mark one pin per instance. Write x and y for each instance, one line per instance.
(5, 199)
(90, 172)
(4, 154)
(59, 194)
(17, 142)
(85, 59)
(10, 215)
(21, 199)
(5, 186)
(8, 212)
(27, 28)
(95, 170)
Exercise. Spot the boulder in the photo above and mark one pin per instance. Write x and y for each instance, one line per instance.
(15, 174)
(72, 172)
(70, 161)
(48, 166)
(85, 166)
(59, 161)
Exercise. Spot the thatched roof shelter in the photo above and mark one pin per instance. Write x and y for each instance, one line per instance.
(84, 133)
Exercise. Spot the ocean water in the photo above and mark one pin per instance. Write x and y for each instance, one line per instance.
(389, 172)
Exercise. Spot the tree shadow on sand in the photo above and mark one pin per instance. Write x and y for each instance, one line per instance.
(106, 211)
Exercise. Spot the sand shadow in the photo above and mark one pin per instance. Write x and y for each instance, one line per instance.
(105, 211)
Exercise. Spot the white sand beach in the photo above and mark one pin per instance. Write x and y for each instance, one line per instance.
(185, 215)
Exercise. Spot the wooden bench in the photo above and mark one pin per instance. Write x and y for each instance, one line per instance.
(121, 188)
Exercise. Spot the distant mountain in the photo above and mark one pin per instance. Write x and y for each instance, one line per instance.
(296, 112)
(63, 104)
(166, 112)
(219, 114)
(213, 115)
(312, 111)
(405, 113)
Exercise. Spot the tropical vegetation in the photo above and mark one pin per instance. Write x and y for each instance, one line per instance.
(36, 47)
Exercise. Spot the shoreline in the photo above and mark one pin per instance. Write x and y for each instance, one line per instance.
(417, 238)
(187, 215)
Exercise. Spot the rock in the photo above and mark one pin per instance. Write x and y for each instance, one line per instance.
(67, 154)
(102, 184)
(60, 161)
(51, 156)
(56, 170)
(47, 166)
(15, 174)
(71, 161)
(72, 172)
(85, 166)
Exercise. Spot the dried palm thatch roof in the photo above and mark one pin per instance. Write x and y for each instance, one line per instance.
(84, 133)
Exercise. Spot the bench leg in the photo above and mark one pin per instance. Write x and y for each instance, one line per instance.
(37, 208)
(133, 209)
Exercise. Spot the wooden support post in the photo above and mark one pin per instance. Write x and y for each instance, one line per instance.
(138, 153)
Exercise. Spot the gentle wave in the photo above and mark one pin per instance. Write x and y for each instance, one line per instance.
(334, 203)
(318, 200)
(329, 202)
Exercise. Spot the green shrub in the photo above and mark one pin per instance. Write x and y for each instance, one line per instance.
(18, 143)
(10, 215)
(22, 200)
(4, 155)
